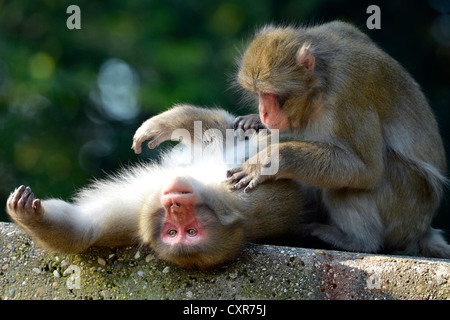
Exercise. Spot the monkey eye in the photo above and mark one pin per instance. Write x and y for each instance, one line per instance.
(192, 232)
(281, 101)
(172, 232)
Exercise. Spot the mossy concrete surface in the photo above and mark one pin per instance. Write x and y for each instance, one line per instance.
(260, 272)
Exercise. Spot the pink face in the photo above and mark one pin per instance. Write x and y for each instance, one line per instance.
(271, 113)
(181, 225)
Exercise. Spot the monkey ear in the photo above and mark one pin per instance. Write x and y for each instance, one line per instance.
(229, 218)
(306, 58)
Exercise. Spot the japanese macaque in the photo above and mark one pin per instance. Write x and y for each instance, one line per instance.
(181, 207)
(357, 129)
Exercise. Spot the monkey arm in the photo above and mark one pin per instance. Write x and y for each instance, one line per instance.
(328, 165)
(352, 164)
(351, 156)
(319, 164)
(163, 127)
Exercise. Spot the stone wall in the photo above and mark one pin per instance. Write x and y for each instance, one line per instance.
(260, 272)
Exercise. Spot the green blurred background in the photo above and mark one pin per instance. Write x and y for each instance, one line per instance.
(70, 100)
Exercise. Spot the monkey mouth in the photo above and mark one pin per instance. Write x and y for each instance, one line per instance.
(273, 124)
(179, 192)
(173, 200)
(177, 186)
(280, 125)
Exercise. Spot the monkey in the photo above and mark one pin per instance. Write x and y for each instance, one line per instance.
(357, 129)
(180, 206)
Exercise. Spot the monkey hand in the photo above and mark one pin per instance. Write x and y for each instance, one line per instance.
(249, 175)
(23, 207)
(153, 129)
(248, 122)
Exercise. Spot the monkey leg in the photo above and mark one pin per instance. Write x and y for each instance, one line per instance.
(49, 222)
(408, 212)
(354, 222)
(104, 214)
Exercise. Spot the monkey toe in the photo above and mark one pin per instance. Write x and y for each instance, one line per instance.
(153, 144)
(136, 147)
(24, 194)
(37, 205)
(15, 196)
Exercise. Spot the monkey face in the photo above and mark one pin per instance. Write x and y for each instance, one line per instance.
(181, 224)
(188, 229)
(278, 67)
(271, 113)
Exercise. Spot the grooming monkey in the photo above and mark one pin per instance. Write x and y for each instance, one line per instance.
(181, 207)
(359, 132)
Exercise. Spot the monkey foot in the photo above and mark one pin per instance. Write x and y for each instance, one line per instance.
(22, 205)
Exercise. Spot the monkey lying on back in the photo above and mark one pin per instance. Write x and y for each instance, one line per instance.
(182, 207)
(361, 134)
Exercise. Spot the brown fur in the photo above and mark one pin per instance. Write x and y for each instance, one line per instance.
(360, 131)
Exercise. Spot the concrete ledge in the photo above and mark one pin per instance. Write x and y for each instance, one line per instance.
(260, 272)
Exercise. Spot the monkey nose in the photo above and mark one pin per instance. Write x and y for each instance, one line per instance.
(263, 117)
(175, 208)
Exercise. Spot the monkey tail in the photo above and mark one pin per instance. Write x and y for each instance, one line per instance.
(434, 245)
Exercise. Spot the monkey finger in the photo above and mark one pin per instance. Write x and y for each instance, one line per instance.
(244, 124)
(240, 134)
(242, 183)
(248, 124)
(257, 126)
(252, 184)
(238, 176)
(237, 123)
(231, 172)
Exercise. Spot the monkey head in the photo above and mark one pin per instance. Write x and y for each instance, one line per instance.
(191, 226)
(278, 68)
